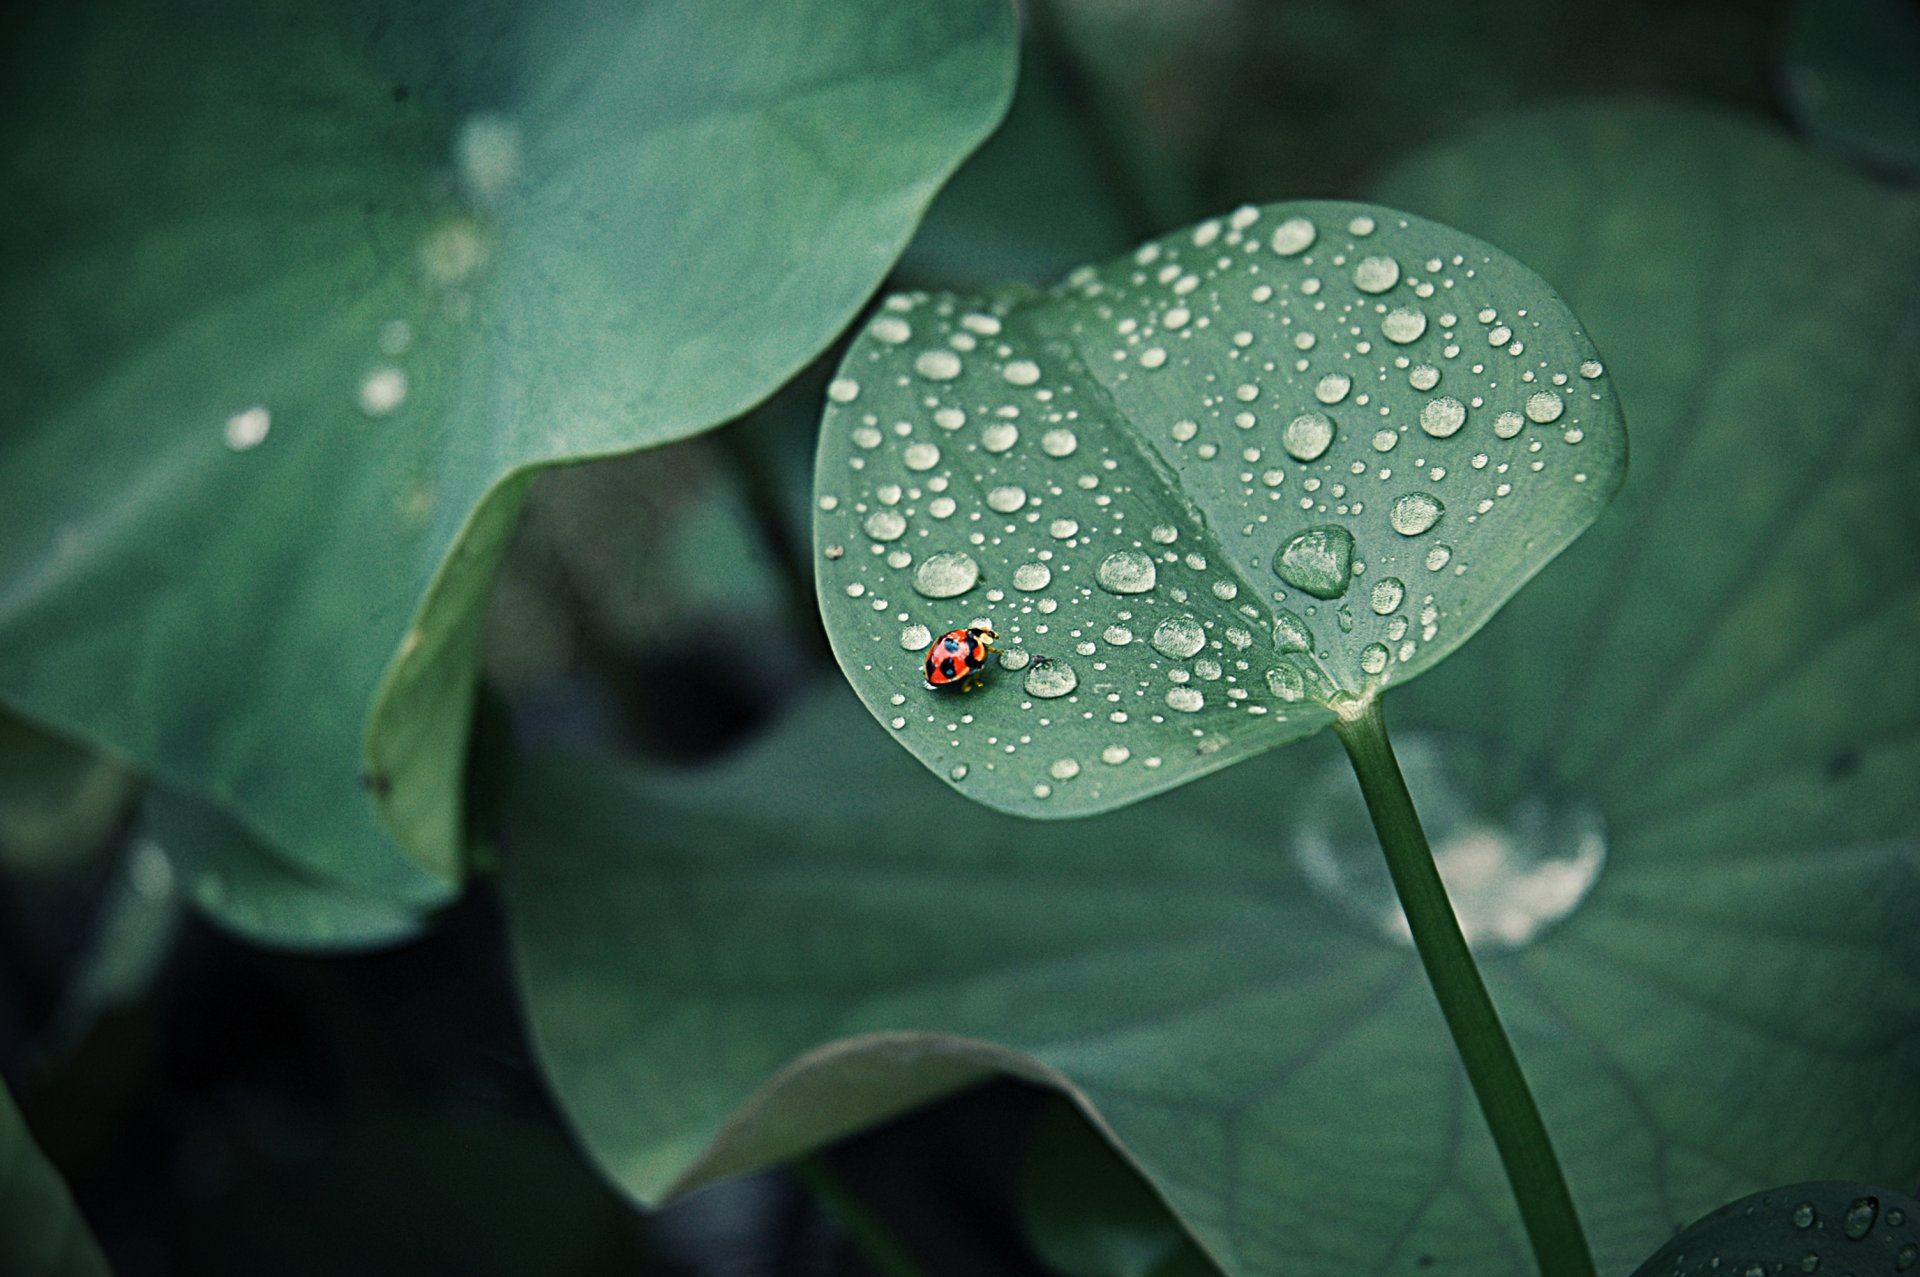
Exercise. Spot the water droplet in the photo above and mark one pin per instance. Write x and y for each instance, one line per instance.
(943, 576)
(1062, 529)
(1049, 679)
(1443, 416)
(999, 436)
(1058, 443)
(937, 365)
(886, 525)
(921, 456)
(1308, 435)
(1153, 357)
(1007, 499)
(1385, 440)
(916, 638)
(1386, 595)
(1909, 1256)
(1064, 769)
(1290, 633)
(1423, 377)
(949, 418)
(382, 391)
(248, 427)
(1591, 369)
(1164, 534)
(1187, 700)
(1178, 637)
(958, 771)
(1415, 512)
(1544, 406)
(1021, 372)
(1438, 557)
(1125, 572)
(1403, 324)
(1318, 560)
(1117, 635)
(1376, 274)
(843, 390)
(1015, 658)
(1332, 388)
(1114, 755)
(1295, 235)
(1285, 682)
(891, 329)
(1032, 576)
(1860, 1217)
(1804, 1215)
(1374, 658)
(1809, 1263)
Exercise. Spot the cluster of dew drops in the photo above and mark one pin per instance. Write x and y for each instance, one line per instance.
(945, 416)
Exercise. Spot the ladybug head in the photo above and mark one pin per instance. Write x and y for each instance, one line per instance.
(982, 633)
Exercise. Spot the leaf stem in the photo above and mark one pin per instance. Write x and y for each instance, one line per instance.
(1546, 1208)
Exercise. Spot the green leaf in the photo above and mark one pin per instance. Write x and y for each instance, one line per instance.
(59, 803)
(1710, 685)
(41, 1231)
(1807, 1228)
(1203, 494)
(1850, 76)
(293, 308)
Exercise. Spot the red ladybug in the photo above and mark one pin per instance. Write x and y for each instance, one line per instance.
(959, 656)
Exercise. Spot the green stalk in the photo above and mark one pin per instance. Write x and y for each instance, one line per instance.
(862, 1227)
(1540, 1188)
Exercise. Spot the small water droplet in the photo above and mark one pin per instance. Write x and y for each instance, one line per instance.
(1438, 557)
(1386, 595)
(1295, 235)
(1022, 372)
(1007, 499)
(1403, 324)
(1544, 406)
(843, 390)
(1507, 424)
(1374, 658)
(1114, 755)
(943, 576)
(921, 456)
(1187, 700)
(1423, 377)
(1059, 443)
(1308, 436)
(1048, 679)
(1860, 1217)
(1909, 1256)
(248, 428)
(1178, 637)
(1332, 388)
(1415, 512)
(1016, 658)
(1062, 529)
(1804, 1215)
(1809, 1263)
(1290, 633)
(1591, 369)
(1376, 274)
(937, 365)
(1442, 417)
(1032, 576)
(382, 392)
(1318, 561)
(916, 638)
(958, 771)
(886, 525)
(891, 329)
(999, 436)
(1125, 572)
(1064, 769)
(1117, 635)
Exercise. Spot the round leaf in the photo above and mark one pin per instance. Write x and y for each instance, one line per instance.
(288, 311)
(41, 1231)
(1203, 494)
(1826, 1227)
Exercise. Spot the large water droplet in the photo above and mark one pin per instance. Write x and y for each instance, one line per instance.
(1059, 443)
(1376, 274)
(1403, 324)
(1285, 682)
(921, 456)
(1125, 572)
(1319, 561)
(942, 576)
(937, 365)
(1007, 499)
(916, 638)
(1032, 576)
(1860, 1217)
(1048, 679)
(1187, 700)
(1290, 633)
(886, 525)
(1443, 416)
(1544, 406)
(1386, 595)
(1374, 658)
(1178, 637)
(1308, 435)
(1295, 235)
(1414, 513)
(1512, 868)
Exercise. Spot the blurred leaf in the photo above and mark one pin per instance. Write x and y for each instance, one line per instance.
(298, 295)
(1204, 493)
(246, 887)
(41, 1231)
(1851, 77)
(59, 803)
(1715, 671)
(1807, 1228)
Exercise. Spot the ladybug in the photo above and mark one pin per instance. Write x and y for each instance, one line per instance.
(959, 656)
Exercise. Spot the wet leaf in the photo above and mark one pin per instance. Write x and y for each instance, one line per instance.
(291, 309)
(1828, 1227)
(1282, 459)
(41, 1231)
(1719, 996)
